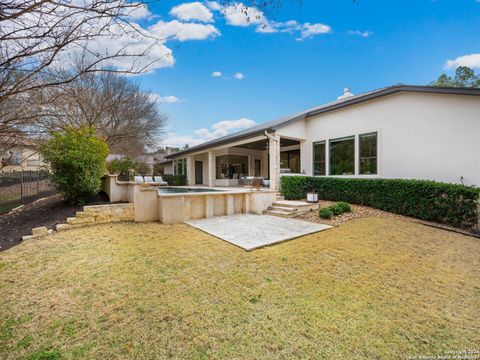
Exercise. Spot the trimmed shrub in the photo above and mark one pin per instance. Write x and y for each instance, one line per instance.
(423, 199)
(325, 213)
(77, 161)
(175, 180)
(344, 206)
(335, 209)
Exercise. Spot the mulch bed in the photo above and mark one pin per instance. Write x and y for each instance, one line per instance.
(47, 212)
(359, 212)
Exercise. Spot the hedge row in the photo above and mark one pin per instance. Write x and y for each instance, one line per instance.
(175, 180)
(451, 204)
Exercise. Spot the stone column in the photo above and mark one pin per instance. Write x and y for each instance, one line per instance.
(211, 169)
(191, 170)
(274, 152)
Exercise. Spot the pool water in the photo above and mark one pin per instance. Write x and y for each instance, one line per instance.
(182, 190)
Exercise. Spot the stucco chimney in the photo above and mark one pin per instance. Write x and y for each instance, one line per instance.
(346, 94)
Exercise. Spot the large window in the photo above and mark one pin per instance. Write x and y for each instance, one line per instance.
(368, 154)
(290, 161)
(231, 166)
(342, 156)
(319, 158)
(180, 167)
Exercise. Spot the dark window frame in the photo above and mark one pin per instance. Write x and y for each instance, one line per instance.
(324, 143)
(343, 138)
(359, 147)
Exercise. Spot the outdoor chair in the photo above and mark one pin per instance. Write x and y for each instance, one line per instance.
(138, 179)
(148, 179)
(159, 180)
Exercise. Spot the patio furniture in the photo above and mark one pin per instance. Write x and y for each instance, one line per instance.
(138, 179)
(159, 180)
(148, 179)
(255, 181)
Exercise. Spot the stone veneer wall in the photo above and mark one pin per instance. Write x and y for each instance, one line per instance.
(95, 214)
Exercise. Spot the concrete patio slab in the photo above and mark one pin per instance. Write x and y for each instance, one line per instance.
(251, 232)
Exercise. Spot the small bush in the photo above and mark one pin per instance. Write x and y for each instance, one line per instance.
(344, 206)
(336, 210)
(77, 161)
(325, 213)
(450, 204)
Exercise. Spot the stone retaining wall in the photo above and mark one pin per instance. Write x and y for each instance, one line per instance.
(95, 214)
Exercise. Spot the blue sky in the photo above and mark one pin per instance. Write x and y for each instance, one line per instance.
(289, 66)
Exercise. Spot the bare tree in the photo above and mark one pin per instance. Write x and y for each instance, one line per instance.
(124, 115)
(39, 36)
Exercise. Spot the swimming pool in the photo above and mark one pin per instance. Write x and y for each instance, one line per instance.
(183, 190)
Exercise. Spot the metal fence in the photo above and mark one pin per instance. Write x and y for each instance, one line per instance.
(23, 187)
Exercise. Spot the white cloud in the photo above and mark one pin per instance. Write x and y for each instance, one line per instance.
(472, 61)
(213, 5)
(238, 76)
(308, 30)
(363, 34)
(169, 99)
(184, 31)
(139, 12)
(216, 74)
(202, 135)
(192, 11)
(240, 15)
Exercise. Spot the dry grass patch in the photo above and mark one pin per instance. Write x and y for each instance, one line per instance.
(372, 288)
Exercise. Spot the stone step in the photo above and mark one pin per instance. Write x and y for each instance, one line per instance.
(280, 213)
(283, 208)
(293, 204)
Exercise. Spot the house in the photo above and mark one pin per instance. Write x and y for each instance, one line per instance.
(150, 160)
(165, 162)
(401, 131)
(17, 154)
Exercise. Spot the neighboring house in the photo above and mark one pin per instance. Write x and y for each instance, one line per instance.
(152, 159)
(20, 155)
(402, 131)
(165, 161)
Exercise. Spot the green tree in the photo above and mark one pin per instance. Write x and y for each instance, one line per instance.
(464, 77)
(77, 161)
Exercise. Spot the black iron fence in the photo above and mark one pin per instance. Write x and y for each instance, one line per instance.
(23, 187)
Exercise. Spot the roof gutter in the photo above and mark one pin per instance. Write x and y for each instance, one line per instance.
(214, 144)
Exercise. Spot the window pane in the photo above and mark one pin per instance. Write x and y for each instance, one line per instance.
(368, 154)
(342, 156)
(319, 158)
(290, 161)
(231, 166)
(284, 160)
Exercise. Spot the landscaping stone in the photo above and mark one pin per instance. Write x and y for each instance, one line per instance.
(83, 214)
(77, 221)
(63, 227)
(40, 231)
(103, 218)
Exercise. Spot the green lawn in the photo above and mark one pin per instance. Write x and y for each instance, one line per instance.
(375, 288)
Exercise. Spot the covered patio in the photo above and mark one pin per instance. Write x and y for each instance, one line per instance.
(257, 160)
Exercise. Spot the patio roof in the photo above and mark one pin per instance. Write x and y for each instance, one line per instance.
(330, 106)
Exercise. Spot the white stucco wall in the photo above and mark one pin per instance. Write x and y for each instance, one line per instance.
(420, 136)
